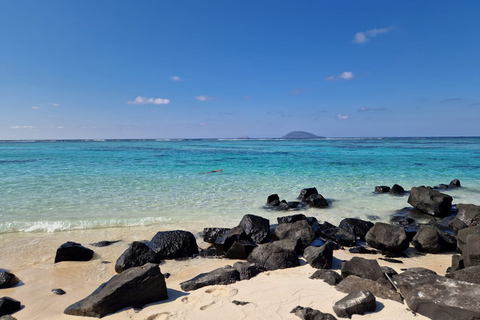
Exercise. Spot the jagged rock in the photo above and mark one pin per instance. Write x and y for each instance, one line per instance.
(389, 271)
(223, 244)
(338, 235)
(273, 199)
(224, 275)
(468, 216)
(382, 189)
(329, 276)
(356, 226)
(431, 201)
(8, 280)
(431, 240)
(9, 306)
(104, 243)
(364, 268)
(382, 290)
(316, 201)
(291, 219)
(240, 249)
(463, 234)
(387, 237)
(72, 251)
(455, 183)
(246, 270)
(290, 244)
(136, 255)
(271, 257)
(397, 190)
(471, 251)
(210, 252)
(210, 235)
(257, 228)
(457, 263)
(307, 192)
(297, 230)
(240, 303)
(311, 314)
(470, 274)
(134, 287)
(174, 244)
(319, 257)
(357, 302)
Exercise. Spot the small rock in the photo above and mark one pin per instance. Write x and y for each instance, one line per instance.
(270, 257)
(224, 275)
(382, 189)
(8, 280)
(72, 251)
(240, 303)
(104, 243)
(328, 276)
(9, 306)
(311, 314)
(59, 291)
(357, 302)
(397, 190)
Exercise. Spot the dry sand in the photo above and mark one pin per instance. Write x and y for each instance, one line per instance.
(271, 295)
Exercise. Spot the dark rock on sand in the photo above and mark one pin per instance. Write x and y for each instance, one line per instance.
(174, 244)
(387, 237)
(307, 192)
(316, 201)
(136, 255)
(468, 216)
(463, 235)
(257, 228)
(431, 201)
(356, 226)
(223, 244)
(457, 263)
(72, 251)
(430, 239)
(224, 275)
(329, 276)
(382, 189)
(247, 270)
(290, 244)
(298, 230)
(311, 314)
(8, 280)
(210, 252)
(364, 268)
(470, 274)
(240, 249)
(319, 257)
(7, 317)
(104, 243)
(59, 291)
(210, 235)
(9, 306)
(271, 257)
(240, 303)
(397, 190)
(338, 235)
(357, 302)
(471, 251)
(134, 287)
(380, 289)
(362, 250)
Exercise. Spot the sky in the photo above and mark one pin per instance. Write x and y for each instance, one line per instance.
(155, 69)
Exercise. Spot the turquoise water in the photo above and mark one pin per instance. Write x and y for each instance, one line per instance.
(54, 186)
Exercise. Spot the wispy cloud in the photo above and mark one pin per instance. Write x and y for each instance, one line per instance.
(297, 91)
(365, 109)
(204, 98)
(364, 37)
(347, 75)
(22, 127)
(343, 116)
(143, 100)
(41, 106)
(175, 78)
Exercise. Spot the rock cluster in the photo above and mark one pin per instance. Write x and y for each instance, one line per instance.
(309, 197)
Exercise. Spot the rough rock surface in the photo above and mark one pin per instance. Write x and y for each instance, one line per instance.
(271, 257)
(136, 255)
(464, 234)
(240, 249)
(364, 268)
(338, 235)
(316, 201)
(468, 216)
(329, 276)
(9, 306)
(471, 251)
(134, 287)
(210, 235)
(297, 230)
(256, 227)
(470, 274)
(224, 275)
(292, 218)
(431, 240)
(223, 243)
(356, 226)
(382, 290)
(311, 314)
(387, 237)
(174, 244)
(357, 302)
(290, 244)
(246, 270)
(319, 257)
(397, 190)
(430, 201)
(382, 189)
(307, 192)
(72, 251)
(8, 280)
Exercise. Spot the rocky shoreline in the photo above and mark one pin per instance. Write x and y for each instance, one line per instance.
(433, 225)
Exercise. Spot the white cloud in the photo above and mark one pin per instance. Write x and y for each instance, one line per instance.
(143, 100)
(331, 78)
(343, 116)
(363, 37)
(204, 98)
(22, 127)
(175, 78)
(36, 108)
(347, 75)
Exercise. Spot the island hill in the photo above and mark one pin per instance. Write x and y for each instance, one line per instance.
(301, 135)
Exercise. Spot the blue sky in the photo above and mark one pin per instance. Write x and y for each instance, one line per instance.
(225, 69)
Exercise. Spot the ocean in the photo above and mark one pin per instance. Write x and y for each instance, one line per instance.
(53, 186)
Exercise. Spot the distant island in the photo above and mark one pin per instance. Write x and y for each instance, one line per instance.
(300, 135)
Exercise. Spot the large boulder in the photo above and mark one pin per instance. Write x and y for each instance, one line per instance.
(292, 218)
(468, 216)
(382, 290)
(470, 274)
(307, 192)
(357, 302)
(271, 257)
(298, 230)
(240, 249)
(463, 235)
(246, 270)
(210, 235)
(311, 314)
(224, 275)
(8, 280)
(316, 201)
(430, 201)
(431, 240)
(319, 257)
(471, 251)
(387, 237)
(136, 255)
(356, 226)
(175, 244)
(364, 268)
(134, 287)
(338, 235)
(72, 251)
(9, 306)
(257, 228)
(455, 183)
(290, 244)
(223, 243)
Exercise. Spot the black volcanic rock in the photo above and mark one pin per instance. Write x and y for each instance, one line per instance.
(72, 251)
(174, 244)
(300, 135)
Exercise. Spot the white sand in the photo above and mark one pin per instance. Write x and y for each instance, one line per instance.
(271, 295)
